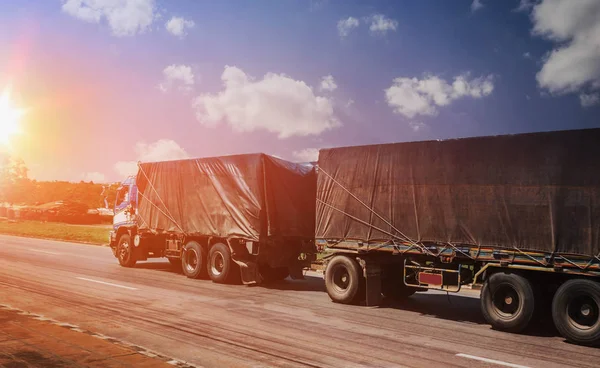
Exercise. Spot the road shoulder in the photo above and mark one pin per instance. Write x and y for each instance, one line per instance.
(32, 340)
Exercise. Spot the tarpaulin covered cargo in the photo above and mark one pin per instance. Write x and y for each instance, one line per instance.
(252, 197)
(538, 192)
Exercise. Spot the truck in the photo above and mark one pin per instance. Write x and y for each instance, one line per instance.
(247, 218)
(517, 216)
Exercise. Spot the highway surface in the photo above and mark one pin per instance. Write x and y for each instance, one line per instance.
(289, 324)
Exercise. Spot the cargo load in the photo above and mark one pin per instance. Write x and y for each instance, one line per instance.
(532, 192)
(251, 196)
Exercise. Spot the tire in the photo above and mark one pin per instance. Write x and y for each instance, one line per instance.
(344, 280)
(508, 302)
(193, 260)
(576, 311)
(269, 274)
(125, 252)
(220, 267)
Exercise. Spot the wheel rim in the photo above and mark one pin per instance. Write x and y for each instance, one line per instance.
(583, 312)
(217, 264)
(124, 251)
(341, 279)
(191, 260)
(506, 302)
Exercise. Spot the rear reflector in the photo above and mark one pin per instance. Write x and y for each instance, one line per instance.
(430, 278)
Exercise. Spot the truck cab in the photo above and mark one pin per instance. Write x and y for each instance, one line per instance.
(125, 210)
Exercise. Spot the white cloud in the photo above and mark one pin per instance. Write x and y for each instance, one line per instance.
(306, 155)
(412, 96)
(381, 24)
(177, 26)
(328, 84)
(180, 75)
(126, 168)
(417, 126)
(527, 55)
(574, 26)
(589, 100)
(161, 150)
(95, 176)
(525, 5)
(344, 26)
(350, 102)
(476, 5)
(275, 103)
(124, 17)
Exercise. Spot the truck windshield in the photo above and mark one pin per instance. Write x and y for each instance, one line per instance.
(122, 197)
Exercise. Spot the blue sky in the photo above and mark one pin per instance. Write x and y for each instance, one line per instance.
(110, 82)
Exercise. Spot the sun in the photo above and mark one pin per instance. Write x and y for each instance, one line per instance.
(10, 117)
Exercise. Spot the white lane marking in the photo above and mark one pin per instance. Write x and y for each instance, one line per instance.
(108, 283)
(44, 251)
(491, 361)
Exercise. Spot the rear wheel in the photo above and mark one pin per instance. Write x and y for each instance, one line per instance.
(344, 280)
(221, 268)
(576, 311)
(508, 302)
(193, 260)
(125, 252)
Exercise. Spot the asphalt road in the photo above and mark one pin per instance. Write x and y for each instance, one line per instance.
(289, 324)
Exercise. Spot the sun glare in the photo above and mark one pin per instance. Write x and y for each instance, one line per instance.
(10, 117)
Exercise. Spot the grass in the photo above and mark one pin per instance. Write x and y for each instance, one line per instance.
(57, 231)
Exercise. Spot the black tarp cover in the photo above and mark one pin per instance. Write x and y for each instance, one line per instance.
(251, 197)
(537, 191)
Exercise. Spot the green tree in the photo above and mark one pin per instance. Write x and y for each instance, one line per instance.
(14, 183)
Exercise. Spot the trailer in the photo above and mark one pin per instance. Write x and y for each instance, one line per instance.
(242, 217)
(515, 215)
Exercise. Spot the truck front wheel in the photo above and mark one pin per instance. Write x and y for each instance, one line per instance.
(221, 268)
(125, 252)
(507, 302)
(193, 260)
(576, 311)
(344, 280)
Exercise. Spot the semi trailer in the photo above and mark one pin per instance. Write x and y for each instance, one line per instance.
(246, 218)
(517, 216)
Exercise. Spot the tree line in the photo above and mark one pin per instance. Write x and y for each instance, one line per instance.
(16, 188)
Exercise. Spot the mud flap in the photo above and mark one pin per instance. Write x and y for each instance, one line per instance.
(248, 271)
(372, 272)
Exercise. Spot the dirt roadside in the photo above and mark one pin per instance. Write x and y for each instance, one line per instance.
(28, 340)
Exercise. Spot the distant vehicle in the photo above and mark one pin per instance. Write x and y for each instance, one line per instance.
(518, 214)
(243, 217)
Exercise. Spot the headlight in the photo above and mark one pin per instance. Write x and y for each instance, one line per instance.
(136, 240)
